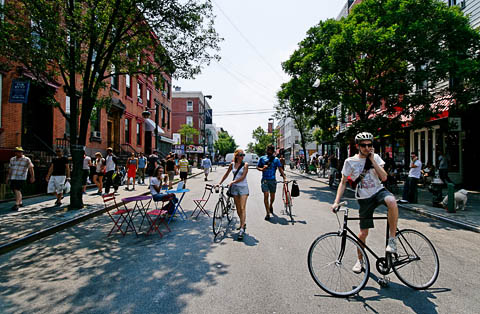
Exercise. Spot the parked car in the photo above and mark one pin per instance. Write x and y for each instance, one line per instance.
(251, 159)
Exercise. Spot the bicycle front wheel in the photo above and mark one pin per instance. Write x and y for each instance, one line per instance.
(332, 270)
(217, 218)
(229, 209)
(416, 262)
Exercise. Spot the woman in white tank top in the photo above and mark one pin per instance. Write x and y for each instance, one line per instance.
(239, 187)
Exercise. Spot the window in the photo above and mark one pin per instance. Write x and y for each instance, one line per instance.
(163, 117)
(189, 105)
(168, 119)
(139, 92)
(168, 90)
(190, 120)
(128, 85)
(189, 139)
(139, 134)
(115, 80)
(149, 98)
(127, 130)
(67, 104)
(35, 34)
(95, 120)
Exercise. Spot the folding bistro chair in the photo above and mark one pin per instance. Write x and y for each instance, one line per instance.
(118, 215)
(200, 203)
(160, 215)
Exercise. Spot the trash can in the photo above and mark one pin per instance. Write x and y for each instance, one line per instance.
(436, 189)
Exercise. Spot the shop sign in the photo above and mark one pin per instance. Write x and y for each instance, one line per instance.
(19, 92)
(179, 149)
(194, 149)
(454, 124)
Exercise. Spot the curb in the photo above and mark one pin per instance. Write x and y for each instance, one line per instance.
(423, 212)
(12, 245)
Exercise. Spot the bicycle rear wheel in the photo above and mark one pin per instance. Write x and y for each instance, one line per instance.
(416, 262)
(217, 218)
(335, 275)
(289, 207)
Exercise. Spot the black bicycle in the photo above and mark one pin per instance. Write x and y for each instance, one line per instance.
(332, 256)
(225, 207)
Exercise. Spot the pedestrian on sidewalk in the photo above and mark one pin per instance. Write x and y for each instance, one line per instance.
(110, 169)
(206, 165)
(142, 164)
(18, 169)
(153, 162)
(99, 172)
(183, 165)
(87, 163)
(443, 169)
(132, 165)
(268, 165)
(58, 174)
(411, 184)
(366, 169)
(239, 188)
(171, 169)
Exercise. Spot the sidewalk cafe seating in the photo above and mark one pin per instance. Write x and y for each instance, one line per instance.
(202, 202)
(160, 214)
(179, 190)
(118, 215)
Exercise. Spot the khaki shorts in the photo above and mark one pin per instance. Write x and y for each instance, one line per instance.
(368, 205)
(171, 175)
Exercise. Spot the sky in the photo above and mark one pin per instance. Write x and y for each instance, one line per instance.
(258, 36)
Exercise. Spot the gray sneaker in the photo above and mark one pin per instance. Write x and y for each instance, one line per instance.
(358, 267)
(391, 246)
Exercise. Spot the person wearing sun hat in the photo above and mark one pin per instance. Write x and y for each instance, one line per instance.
(18, 169)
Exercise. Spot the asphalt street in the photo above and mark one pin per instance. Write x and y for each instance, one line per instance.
(81, 270)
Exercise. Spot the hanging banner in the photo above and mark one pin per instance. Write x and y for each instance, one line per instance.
(19, 92)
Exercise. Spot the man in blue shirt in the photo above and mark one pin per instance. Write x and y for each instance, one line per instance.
(142, 164)
(206, 165)
(268, 164)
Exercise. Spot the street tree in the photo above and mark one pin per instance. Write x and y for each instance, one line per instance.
(225, 144)
(187, 132)
(385, 63)
(262, 140)
(82, 44)
(292, 104)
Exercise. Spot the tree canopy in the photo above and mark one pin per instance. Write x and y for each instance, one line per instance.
(262, 140)
(225, 144)
(187, 132)
(384, 63)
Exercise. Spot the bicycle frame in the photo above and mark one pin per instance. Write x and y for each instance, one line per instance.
(346, 230)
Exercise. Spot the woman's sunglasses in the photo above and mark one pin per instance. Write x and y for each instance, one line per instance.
(365, 145)
(241, 155)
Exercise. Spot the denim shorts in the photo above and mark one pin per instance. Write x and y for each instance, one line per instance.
(368, 205)
(269, 186)
(239, 190)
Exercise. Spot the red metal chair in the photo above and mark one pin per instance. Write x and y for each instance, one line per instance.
(118, 215)
(160, 215)
(201, 202)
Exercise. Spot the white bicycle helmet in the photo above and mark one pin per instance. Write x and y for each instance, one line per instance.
(363, 136)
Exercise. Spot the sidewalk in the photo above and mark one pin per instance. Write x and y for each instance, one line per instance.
(467, 219)
(40, 214)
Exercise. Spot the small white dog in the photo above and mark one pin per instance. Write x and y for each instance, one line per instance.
(460, 200)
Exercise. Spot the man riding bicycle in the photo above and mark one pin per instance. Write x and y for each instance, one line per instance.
(366, 169)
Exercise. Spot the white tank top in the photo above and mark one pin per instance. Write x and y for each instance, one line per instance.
(239, 175)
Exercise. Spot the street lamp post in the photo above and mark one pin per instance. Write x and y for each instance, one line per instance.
(205, 123)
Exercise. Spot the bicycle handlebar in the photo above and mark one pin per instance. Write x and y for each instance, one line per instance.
(344, 203)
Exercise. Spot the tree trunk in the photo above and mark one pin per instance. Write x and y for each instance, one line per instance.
(76, 191)
(305, 153)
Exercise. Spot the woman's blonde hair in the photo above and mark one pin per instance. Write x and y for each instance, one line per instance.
(236, 153)
(98, 154)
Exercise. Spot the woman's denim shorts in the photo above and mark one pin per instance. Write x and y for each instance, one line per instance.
(239, 190)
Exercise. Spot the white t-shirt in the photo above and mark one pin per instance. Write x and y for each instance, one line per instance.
(156, 181)
(417, 171)
(370, 184)
(110, 165)
(86, 162)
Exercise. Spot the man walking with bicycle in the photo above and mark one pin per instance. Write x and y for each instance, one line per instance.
(366, 169)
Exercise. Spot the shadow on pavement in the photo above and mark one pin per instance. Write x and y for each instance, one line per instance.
(86, 271)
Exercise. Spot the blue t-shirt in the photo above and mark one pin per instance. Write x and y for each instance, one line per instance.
(142, 161)
(206, 163)
(269, 174)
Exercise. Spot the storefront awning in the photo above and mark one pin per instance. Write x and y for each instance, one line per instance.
(150, 126)
(167, 140)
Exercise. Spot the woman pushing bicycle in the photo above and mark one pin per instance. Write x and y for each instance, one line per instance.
(366, 169)
(238, 188)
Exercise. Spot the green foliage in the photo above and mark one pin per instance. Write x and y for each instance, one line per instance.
(225, 144)
(376, 58)
(186, 131)
(262, 140)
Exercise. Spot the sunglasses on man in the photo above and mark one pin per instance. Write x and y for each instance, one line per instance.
(365, 145)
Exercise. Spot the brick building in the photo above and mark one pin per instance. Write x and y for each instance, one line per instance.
(190, 107)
